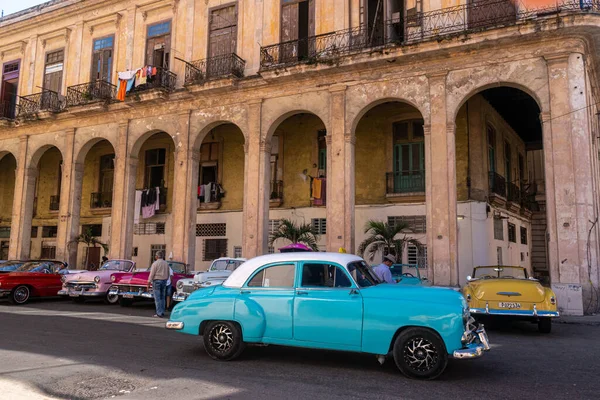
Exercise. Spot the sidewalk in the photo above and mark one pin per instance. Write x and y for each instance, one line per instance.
(12, 389)
(590, 320)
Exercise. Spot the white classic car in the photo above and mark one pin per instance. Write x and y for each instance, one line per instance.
(219, 270)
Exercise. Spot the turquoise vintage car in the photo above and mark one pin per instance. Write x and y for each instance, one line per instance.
(331, 301)
(408, 274)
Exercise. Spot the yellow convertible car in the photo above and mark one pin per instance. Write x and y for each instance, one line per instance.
(503, 292)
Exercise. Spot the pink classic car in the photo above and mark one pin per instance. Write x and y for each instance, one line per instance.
(95, 284)
(133, 286)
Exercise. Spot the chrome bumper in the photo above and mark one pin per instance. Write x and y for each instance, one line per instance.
(475, 342)
(535, 313)
(174, 325)
(130, 295)
(77, 293)
(180, 296)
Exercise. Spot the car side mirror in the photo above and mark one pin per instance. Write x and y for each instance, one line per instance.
(468, 278)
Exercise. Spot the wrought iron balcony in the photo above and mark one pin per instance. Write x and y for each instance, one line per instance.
(513, 193)
(164, 79)
(8, 109)
(85, 93)
(54, 203)
(414, 28)
(497, 184)
(405, 182)
(46, 100)
(101, 200)
(276, 190)
(214, 68)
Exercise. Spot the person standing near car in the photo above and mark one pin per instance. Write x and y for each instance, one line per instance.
(170, 289)
(383, 270)
(159, 274)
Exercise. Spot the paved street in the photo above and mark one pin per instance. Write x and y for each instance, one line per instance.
(72, 351)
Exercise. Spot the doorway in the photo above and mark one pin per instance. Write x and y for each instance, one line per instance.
(297, 25)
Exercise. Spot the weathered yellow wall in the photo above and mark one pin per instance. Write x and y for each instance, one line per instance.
(158, 141)
(299, 151)
(91, 176)
(47, 185)
(8, 165)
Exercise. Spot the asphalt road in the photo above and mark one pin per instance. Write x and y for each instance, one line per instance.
(88, 351)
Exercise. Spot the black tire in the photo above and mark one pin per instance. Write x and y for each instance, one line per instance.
(125, 302)
(223, 340)
(420, 354)
(78, 300)
(108, 299)
(545, 325)
(20, 295)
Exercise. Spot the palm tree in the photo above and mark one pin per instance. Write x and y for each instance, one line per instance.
(90, 241)
(302, 233)
(384, 238)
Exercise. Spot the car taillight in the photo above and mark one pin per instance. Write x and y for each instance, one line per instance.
(552, 300)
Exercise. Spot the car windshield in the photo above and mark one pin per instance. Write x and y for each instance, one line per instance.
(10, 265)
(363, 274)
(36, 267)
(177, 267)
(225, 265)
(116, 265)
(500, 272)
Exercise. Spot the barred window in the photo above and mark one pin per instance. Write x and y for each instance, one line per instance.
(149, 228)
(523, 235)
(155, 248)
(4, 231)
(319, 226)
(416, 257)
(49, 231)
(48, 252)
(214, 248)
(498, 229)
(512, 233)
(416, 223)
(211, 229)
(271, 250)
(237, 252)
(273, 226)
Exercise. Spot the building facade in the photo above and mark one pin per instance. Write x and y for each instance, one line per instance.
(473, 122)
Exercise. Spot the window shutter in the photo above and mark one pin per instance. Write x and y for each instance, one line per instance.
(106, 65)
(95, 74)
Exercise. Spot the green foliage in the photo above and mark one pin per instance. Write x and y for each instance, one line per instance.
(386, 239)
(301, 233)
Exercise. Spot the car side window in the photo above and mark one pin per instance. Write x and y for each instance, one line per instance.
(280, 276)
(324, 275)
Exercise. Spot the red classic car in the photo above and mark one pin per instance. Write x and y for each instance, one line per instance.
(33, 279)
(134, 286)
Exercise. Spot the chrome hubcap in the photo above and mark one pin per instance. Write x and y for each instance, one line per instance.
(420, 354)
(221, 338)
(21, 294)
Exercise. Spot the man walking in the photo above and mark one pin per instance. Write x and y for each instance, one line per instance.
(159, 274)
(383, 270)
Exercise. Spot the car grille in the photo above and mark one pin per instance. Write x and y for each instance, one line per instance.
(80, 285)
(188, 288)
(129, 288)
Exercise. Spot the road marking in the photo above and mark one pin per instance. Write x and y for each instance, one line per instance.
(98, 316)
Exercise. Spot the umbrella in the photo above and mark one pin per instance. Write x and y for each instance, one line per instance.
(294, 247)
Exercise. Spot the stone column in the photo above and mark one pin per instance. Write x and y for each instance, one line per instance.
(70, 203)
(568, 177)
(22, 212)
(184, 195)
(340, 176)
(255, 236)
(121, 235)
(440, 182)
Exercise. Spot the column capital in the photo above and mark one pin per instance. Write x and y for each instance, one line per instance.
(437, 75)
(545, 116)
(69, 131)
(427, 129)
(255, 102)
(23, 138)
(349, 138)
(556, 58)
(124, 124)
(328, 139)
(265, 147)
(338, 89)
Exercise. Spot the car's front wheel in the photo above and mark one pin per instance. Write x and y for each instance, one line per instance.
(111, 298)
(420, 353)
(20, 295)
(545, 325)
(223, 340)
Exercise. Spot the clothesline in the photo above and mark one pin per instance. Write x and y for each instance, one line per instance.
(133, 78)
(147, 201)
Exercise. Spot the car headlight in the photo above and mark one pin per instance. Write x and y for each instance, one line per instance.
(97, 279)
(112, 278)
(179, 285)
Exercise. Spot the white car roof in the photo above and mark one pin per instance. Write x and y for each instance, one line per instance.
(244, 271)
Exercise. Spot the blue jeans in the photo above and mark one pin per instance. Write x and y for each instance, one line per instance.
(159, 288)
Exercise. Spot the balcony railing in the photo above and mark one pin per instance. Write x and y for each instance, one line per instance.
(54, 203)
(85, 93)
(414, 28)
(101, 200)
(214, 68)
(513, 193)
(405, 182)
(164, 79)
(276, 190)
(8, 109)
(46, 100)
(497, 184)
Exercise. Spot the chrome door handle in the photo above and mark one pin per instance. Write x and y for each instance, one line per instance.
(301, 292)
(245, 292)
(353, 291)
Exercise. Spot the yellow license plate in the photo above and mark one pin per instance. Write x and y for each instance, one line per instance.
(508, 305)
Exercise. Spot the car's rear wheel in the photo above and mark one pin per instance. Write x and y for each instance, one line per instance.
(20, 295)
(420, 353)
(111, 298)
(125, 302)
(223, 340)
(545, 325)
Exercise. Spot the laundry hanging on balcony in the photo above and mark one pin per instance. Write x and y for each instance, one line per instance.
(210, 192)
(319, 192)
(149, 202)
(133, 78)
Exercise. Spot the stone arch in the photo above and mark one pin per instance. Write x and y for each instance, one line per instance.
(35, 157)
(461, 85)
(275, 111)
(360, 99)
(86, 138)
(141, 130)
(38, 145)
(203, 122)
